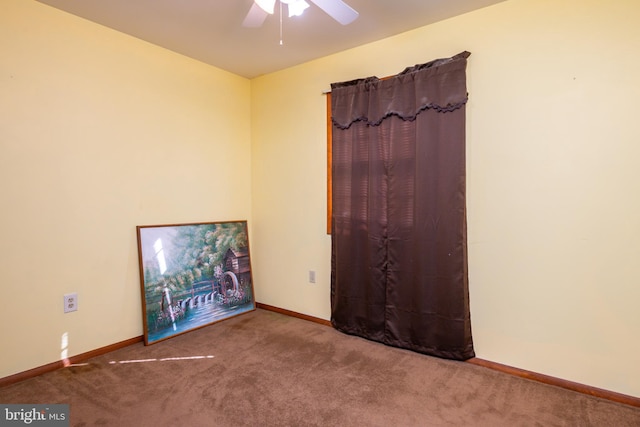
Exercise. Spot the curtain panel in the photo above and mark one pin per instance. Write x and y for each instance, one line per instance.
(399, 250)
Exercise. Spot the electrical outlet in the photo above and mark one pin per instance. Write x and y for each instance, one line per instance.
(312, 276)
(70, 302)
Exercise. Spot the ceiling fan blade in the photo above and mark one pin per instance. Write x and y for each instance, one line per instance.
(255, 17)
(338, 10)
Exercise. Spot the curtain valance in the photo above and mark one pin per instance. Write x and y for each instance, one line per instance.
(438, 85)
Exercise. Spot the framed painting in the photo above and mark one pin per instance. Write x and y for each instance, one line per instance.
(193, 275)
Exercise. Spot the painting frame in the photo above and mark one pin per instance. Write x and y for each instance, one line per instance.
(193, 275)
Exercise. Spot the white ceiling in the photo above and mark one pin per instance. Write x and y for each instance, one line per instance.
(211, 31)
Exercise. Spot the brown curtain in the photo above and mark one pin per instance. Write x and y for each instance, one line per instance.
(399, 251)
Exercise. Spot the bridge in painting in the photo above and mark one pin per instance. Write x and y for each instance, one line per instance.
(207, 294)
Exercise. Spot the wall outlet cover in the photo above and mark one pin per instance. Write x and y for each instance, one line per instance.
(70, 302)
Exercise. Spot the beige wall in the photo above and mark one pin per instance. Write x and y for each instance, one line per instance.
(553, 181)
(100, 132)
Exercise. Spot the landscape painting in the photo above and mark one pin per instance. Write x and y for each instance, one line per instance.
(193, 275)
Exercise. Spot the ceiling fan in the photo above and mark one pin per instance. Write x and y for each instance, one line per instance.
(337, 9)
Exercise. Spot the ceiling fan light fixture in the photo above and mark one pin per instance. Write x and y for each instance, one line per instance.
(267, 5)
(261, 9)
(296, 7)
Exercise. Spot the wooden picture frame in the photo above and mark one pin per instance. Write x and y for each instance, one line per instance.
(193, 275)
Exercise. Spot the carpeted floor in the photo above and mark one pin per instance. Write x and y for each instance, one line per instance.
(268, 369)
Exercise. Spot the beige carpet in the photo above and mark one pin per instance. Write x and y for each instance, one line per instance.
(268, 369)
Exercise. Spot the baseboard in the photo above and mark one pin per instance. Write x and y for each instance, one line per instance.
(21, 376)
(80, 358)
(293, 314)
(534, 376)
(558, 382)
(522, 373)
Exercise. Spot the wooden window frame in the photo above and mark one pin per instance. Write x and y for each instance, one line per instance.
(329, 162)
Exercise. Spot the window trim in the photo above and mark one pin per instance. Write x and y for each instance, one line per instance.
(329, 162)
